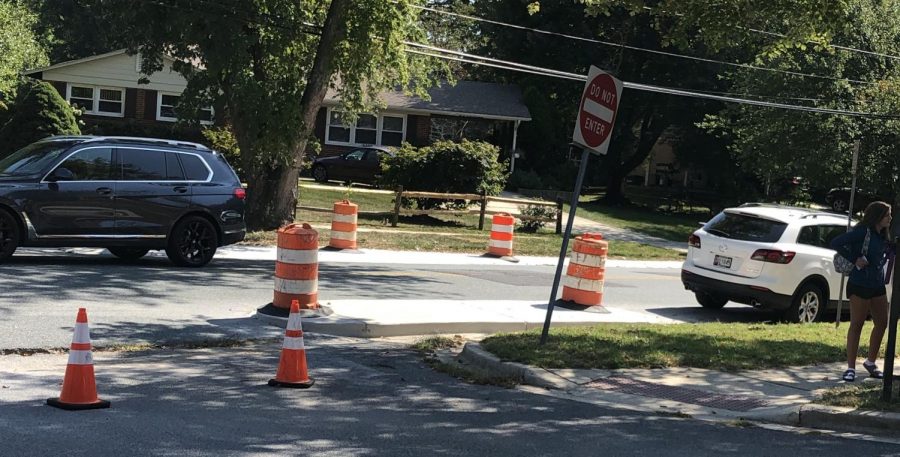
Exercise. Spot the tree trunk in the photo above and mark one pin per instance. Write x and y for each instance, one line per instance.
(272, 199)
(630, 152)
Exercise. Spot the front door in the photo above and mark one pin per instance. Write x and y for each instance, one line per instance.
(152, 192)
(81, 204)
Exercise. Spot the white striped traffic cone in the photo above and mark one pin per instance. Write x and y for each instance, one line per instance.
(79, 389)
(292, 369)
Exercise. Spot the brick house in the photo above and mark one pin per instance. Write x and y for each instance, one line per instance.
(107, 88)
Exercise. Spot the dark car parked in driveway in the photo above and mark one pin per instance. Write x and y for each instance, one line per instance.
(362, 165)
(838, 199)
(129, 195)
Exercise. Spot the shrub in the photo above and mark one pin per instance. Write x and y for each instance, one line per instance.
(524, 179)
(446, 167)
(531, 226)
(37, 112)
(222, 139)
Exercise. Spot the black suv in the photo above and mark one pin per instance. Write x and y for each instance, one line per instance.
(129, 195)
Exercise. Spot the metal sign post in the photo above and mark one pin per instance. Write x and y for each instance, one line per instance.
(891, 349)
(593, 131)
(585, 153)
(837, 319)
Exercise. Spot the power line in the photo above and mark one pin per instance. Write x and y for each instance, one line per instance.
(782, 35)
(636, 48)
(514, 66)
(458, 56)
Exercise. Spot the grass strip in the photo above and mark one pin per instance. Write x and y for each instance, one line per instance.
(862, 396)
(722, 346)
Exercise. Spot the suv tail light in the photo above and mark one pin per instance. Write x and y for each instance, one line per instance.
(773, 256)
(240, 193)
(694, 241)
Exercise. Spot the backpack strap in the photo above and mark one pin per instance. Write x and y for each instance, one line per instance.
(865, 246)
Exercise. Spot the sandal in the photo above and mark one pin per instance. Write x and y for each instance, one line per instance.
(873, 370)
(849, 375)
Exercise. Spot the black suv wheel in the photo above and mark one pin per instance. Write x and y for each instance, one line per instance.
(128, 253)
(193, 242)
(320, 174)
(9, 235)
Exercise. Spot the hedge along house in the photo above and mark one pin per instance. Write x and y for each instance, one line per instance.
(107, 88)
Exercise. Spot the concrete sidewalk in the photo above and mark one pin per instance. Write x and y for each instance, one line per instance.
(776, 396)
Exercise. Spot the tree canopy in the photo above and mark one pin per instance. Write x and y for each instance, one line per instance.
(268, 63)
(21, 48)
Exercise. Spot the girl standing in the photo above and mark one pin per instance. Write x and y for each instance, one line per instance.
(865, 247)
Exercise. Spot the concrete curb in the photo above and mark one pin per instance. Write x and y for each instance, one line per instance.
(473, 354)
(809, 415)
(342, 326)
(850, 419)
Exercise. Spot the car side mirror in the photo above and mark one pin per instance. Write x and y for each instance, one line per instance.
(701, 223)
(61, 174)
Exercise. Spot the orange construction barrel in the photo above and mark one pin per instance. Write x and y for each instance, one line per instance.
(343, 225)
(583, 283)
(297, 267)
(501, 242)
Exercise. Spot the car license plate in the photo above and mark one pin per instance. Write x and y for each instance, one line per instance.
(722, 261)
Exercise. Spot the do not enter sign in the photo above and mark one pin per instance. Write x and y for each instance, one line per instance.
(597, 112)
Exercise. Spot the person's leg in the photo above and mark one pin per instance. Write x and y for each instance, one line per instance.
(878, 307)
(859, 310)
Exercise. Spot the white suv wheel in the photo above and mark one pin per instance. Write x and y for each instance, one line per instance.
(808, 306)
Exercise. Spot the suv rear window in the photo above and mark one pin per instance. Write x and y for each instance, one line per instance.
(745, 227)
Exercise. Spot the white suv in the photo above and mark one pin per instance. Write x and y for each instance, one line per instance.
(769, 256)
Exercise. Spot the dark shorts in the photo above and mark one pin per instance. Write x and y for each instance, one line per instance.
(865, 292)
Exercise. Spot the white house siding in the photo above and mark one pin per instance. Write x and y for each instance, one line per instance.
(117, 71)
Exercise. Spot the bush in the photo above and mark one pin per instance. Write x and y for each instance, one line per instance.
(132, 127)
(524, 179)
(37, 112)
(467, 167)
(535, 211)
(222, 139)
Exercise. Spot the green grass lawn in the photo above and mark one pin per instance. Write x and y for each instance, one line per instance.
(668, 226)
(862, 396)
(439, 233)
(724, 346)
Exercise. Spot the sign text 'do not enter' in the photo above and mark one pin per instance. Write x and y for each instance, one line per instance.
(598, 110)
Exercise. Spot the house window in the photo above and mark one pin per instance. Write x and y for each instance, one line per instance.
(366, 129)
(392, 130)
(369, 129)
(100, 101)
(165, 109)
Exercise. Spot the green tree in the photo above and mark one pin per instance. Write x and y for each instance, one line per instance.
(776, 143)
(70, 29)
(38, 112)
(20, 46)
(269, 64)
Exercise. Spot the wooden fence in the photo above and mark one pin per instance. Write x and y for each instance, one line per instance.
(482, 199)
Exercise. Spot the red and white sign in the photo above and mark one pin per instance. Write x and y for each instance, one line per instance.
(597, 112)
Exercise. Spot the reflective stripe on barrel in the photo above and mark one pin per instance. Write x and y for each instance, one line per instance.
(297, 267)
(502, 228)
(584, 279)
(343, 225)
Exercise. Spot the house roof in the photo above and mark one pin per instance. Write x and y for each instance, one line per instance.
(466, 98)
(69, 63)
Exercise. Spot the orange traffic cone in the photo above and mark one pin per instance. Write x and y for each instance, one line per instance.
(292, 371)
(79, 390)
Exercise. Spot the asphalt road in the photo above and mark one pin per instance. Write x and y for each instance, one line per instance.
(371, 398)
(152, 301)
